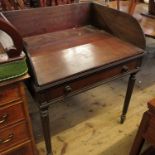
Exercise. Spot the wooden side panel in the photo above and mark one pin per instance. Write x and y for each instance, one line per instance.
(43, 20)
(119, 24)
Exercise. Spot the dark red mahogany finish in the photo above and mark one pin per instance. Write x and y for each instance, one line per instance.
(75, 47)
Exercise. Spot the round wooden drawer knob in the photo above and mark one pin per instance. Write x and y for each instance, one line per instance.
(125, 69)
(68, 89)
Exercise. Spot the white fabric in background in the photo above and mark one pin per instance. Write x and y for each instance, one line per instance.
(5, 40)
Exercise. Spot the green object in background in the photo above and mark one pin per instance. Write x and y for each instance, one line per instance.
(13, 69)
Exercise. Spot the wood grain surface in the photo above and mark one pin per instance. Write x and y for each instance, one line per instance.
(111, 20)
(88, 54)
(96, 49)
(53, 19)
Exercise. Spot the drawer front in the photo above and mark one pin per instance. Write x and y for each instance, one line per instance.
(11, 114)
(87, 81)
(26, 149)
(13, 135)
(9, 94)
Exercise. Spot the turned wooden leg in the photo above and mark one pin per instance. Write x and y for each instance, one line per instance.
(132, 6)
(130, 87)
(139, 140)
(44, 114)
(118, 4)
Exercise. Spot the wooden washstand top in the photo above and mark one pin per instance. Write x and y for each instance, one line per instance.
(73, 51)
(62, 42)
(73, 48)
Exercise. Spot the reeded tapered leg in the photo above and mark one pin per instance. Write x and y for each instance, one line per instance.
(44, 114)
(130, 87)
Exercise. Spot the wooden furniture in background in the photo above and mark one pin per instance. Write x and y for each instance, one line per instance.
(15, 126)
(44, 3)
(55, 2)
(147, 24)
(68, 56)
(152, 7)
(12, 4)
(132, 6)
(146, 130)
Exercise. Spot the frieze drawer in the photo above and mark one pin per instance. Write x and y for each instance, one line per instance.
(13, 135)
(9, 94)
(11, 114)
(86, 81)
